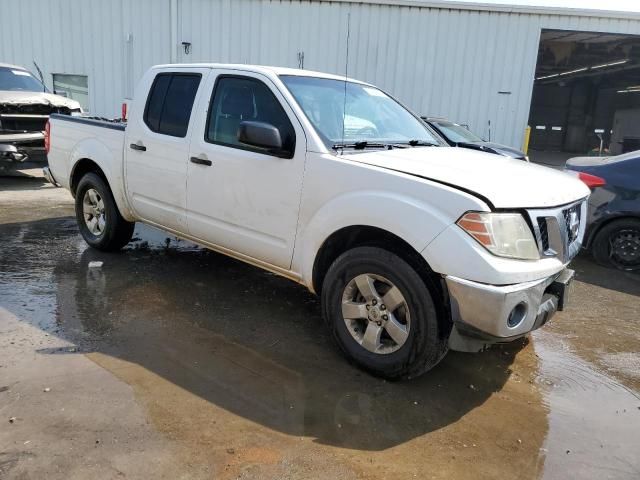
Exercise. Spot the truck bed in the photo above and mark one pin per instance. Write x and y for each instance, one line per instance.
(77, 137)
(116, 124)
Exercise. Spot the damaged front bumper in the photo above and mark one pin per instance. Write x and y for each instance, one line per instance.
(22, 148)
(485, 314)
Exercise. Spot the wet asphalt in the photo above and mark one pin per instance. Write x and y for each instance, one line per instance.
(171, 361)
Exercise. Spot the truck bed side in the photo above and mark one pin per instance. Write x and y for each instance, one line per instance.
(78, 140)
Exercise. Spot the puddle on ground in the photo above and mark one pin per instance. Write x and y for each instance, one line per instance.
(238, 336)
(196, 334)
(594, 421)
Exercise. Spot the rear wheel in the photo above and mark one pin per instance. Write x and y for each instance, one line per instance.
(617, 244)
(99, 220)
(381, 313)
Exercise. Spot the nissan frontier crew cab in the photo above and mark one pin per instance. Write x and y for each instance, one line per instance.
(414, 247)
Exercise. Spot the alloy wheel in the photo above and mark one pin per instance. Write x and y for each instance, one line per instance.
(93, 212)
(376, 313)
(624, 250)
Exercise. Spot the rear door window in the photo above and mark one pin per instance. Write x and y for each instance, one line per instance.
(170, 103)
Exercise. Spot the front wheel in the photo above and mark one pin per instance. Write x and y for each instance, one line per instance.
(617, 244)
(381, 313)
(99, 220)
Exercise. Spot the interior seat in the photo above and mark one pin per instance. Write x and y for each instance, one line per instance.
(237, 105)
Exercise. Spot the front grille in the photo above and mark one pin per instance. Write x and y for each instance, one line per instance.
(571, 215)
(33, 109)
(37, 143)
(544, 233)
(27, 124)
(559, 231)
(27, 117)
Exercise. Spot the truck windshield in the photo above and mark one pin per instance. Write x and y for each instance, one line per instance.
(370, 116)
(15, 79)
(457, 133)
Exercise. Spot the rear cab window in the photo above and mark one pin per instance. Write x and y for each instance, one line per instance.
(170, 102)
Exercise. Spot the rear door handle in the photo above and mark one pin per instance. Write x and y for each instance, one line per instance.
(140, 148)
(201, 161)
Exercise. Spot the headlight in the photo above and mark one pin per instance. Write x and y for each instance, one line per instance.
(503, 234)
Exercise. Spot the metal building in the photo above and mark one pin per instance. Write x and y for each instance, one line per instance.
(474, 63)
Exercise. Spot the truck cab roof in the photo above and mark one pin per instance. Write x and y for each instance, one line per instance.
(264, 69)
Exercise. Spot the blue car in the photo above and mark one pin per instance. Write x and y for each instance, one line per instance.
(613, 223)
(460, 136)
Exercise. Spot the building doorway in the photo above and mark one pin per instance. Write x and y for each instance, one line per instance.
(586, 95)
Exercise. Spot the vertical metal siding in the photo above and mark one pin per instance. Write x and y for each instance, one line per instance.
(87, 37)
(439, 61)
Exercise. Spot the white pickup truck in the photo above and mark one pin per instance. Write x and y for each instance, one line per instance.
(415, 248)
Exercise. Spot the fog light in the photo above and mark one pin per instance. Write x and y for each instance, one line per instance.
(517, 315)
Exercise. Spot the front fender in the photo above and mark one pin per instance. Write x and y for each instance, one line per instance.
(411, 219)
(110, 162)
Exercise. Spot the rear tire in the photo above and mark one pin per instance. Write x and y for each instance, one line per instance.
(99, 220)
(617, 244)
(393, 330)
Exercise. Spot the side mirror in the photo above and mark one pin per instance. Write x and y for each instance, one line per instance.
(261, 134)
(61, 94)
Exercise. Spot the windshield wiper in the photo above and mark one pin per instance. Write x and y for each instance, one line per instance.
(360, 145)
(412, 143)
(388, 145)
(421, 143)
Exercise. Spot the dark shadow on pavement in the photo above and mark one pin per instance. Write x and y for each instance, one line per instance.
(588, 271)
(20, 180)
(246, 340)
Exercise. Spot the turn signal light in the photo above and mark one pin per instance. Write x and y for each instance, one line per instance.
(476, 226)
(591, 181)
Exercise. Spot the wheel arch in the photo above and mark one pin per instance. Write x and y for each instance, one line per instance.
(87, 165)
(354, 236)
(80, 169)
(593, 232)
(95, 157)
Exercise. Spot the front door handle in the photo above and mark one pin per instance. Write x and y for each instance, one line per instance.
(201, 161)
(139, 147)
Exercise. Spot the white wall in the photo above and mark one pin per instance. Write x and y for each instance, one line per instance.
(87, 37)
(446, 62)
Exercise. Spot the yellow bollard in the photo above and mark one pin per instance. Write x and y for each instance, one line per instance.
(527, 136)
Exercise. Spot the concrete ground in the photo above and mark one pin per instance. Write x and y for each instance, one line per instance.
(170, 361)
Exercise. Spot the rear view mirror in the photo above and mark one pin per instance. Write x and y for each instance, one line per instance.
(261, 134)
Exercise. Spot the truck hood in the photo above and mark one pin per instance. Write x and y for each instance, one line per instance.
(15, 98)
(505, 182)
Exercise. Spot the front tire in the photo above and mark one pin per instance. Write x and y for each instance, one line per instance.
(617, 244)
(381, 314)
(99, 220)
